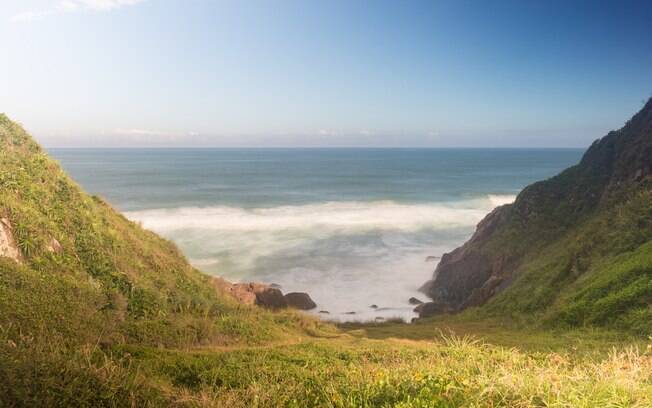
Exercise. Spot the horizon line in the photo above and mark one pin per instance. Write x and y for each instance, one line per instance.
(325, 147)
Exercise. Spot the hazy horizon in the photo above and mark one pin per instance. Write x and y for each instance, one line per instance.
(54, 148)
(164, 73)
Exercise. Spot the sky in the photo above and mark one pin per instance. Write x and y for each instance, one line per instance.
(273, 73)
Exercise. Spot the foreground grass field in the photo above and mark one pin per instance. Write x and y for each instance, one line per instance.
(444, 363)
(442, 366)
(443, 369)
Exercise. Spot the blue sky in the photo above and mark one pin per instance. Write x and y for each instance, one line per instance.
(330, 73)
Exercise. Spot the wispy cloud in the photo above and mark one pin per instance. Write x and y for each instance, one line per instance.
(140, 132)
(153, 136)
(97, 5)
(326, 132)
(72, 6)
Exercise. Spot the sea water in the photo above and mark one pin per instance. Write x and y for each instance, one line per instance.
(352, 227)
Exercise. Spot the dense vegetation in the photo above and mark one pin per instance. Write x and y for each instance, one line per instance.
(99, 312)
(588, 259)
(575, 250)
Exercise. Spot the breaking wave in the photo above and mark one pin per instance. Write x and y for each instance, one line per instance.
(341, 216)
(347, 255)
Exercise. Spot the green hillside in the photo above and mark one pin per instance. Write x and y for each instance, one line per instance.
(87, 275)
(97, 312)
(573, 250)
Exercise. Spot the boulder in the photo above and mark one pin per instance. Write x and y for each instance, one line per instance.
(270, 298)
(244, 293)
(300, 300)
(251, 293)
(241, 292)
(324, 312)
(374, 306)
(414, 301)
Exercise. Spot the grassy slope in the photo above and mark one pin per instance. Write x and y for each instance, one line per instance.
(118, 318)
(580, 243)
(598, 273)
(112, 283)
(131, 284)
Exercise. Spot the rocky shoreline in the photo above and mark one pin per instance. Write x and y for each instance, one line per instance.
(267, 296)
(270, 296)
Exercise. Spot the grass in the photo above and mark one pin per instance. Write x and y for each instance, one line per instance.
(596, 274)
(132, 285)
(444, 364)
(504, 334)
(445, 370)
(118, 318)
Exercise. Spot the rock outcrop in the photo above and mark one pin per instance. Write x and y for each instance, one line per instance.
(263, 295)
(429, 309)
(243, 293)
(8, 246)
(300, 300)
(271, 298)
(468, 274)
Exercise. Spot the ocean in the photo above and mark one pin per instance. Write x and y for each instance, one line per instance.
(352, 227)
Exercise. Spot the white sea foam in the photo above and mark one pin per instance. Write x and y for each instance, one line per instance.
(347, 255)
(336, 215)
(500, 199)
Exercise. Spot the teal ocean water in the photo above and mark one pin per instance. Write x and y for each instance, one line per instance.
(352, 227)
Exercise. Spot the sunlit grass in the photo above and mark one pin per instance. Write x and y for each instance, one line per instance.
(118, 318)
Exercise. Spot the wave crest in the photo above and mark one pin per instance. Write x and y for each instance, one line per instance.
(345, 216)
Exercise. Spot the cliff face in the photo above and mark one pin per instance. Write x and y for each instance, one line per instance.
(576, 207)
(467, 275)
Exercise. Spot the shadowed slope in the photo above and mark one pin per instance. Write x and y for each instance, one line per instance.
(545, 249)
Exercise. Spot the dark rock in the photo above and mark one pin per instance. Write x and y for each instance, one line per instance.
(431, 258)
(465, 269)
(300, 300)
(374, 306)
(350, 313)
(271, 298)
(324, 312)
(432, 309)
(414, 301)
